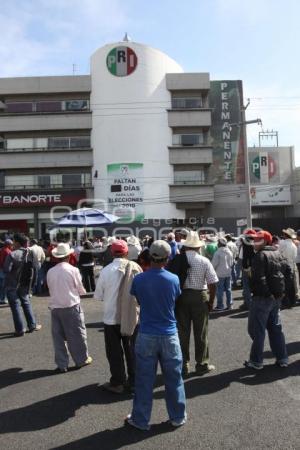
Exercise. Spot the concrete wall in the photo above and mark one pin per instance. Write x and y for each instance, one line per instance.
(188, 81)
(38, 85)
(45, 122)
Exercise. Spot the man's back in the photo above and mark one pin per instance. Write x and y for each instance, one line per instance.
(156, 290)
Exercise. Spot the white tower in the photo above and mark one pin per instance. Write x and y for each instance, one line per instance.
(130, 133)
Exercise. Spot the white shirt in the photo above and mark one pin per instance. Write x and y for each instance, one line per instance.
(65, 286)
(201, 272)
(288, 250)
(38, 253)
(107, 290)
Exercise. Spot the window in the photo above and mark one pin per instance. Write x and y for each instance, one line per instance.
(44, 180)
(76, 105)
(50, 106)
(188, 139)
(19, 107)
(189, 176)
(80, 142)
(73, 179)
(187, 103)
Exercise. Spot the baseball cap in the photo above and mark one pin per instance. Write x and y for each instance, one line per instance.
(8, 242)
(263, 235)
(160, 250)
(250, 232)
(119, 247)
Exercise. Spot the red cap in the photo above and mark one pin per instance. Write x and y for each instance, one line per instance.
(119, 247)
(264, 235)
(250, 232)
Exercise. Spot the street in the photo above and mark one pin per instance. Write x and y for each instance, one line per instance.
(230, 408)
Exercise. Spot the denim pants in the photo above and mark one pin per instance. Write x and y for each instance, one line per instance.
(18, 298)
(224, 285)
(149, 350)
(2, 286)
(265, 315)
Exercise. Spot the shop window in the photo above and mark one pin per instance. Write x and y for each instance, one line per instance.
(73, 179)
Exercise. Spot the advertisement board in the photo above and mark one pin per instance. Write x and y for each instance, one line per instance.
(40, 198)
(125, 190)
(264, 167)
(226, 101)
(270, 195)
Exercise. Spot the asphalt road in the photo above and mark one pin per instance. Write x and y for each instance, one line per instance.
(231, 408)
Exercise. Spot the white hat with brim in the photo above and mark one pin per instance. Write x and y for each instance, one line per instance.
(193, 240)
(132, 240)
(290, 232)
(62, 250)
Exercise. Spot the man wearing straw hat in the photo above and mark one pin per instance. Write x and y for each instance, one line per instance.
(67, 319)
(194, 304)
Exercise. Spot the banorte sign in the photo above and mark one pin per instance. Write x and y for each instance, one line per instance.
(121, 61)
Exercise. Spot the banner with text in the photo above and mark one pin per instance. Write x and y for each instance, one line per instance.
(125, 190)
(227, 140)
(270, 195)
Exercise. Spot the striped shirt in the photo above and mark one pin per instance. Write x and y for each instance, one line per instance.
(201, 272)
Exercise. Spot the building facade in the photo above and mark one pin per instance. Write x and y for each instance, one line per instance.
(138, 137)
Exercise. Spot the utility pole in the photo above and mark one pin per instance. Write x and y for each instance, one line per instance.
(243, 124)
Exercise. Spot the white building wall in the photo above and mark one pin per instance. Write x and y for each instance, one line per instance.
(130, 124)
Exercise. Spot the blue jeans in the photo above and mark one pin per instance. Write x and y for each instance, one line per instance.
(2, 286)
(17, 298)
(149, 350)
(265, 315)
(246, 289)
(224, 284)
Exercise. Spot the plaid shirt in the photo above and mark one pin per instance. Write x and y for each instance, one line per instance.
(201, 272)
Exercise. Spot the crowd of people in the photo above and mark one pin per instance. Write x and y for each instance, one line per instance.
(154, 294)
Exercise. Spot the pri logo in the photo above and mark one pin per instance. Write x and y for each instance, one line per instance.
(263, 167)
(121, 61)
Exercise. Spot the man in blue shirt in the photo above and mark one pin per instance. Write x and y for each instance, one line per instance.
(156, 290)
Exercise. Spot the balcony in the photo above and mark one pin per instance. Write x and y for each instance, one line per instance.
(189, 118)
(30, 158)
(190, 155)
(36, 187)
(191, 195)
(46, 121)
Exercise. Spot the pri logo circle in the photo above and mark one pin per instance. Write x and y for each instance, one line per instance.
(121, 61)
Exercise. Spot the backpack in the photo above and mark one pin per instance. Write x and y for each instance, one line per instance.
(27, 269)
(278, 274)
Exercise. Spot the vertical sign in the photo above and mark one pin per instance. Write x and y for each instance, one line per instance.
(226, 100)
(125, 190)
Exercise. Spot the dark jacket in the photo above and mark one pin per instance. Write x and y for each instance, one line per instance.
(179, 266)
(269, 271)
(248, 253)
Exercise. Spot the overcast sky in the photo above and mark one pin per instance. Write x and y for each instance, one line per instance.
(256, 41)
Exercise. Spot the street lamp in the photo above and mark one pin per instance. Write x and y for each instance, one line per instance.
(243, 124)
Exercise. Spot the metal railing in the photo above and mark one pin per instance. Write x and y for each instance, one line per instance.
(42, 149)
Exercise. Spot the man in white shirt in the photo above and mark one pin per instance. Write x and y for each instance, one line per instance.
(194, 304)
(40, 257)
(120, 316)
(67, 318)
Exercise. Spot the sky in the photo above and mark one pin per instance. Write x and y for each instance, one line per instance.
(256, 41)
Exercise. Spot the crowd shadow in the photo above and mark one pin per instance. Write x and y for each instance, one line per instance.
(8, 335)
(232, 313)
(292, 349)
(55, 410)
(117, 438)
(9, 377)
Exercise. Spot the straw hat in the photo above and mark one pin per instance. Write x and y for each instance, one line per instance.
(290, 232)
(62, 250)
(193, 240)
(132, 240)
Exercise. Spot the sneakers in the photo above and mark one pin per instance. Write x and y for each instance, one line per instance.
(282, 364)
(60, 370)
(218, 308)
(128, 420)
(206, 368)
(252, 365)
(19, 333)
(88, 361)
(118, 389)
(177, 423)
(36, 328)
